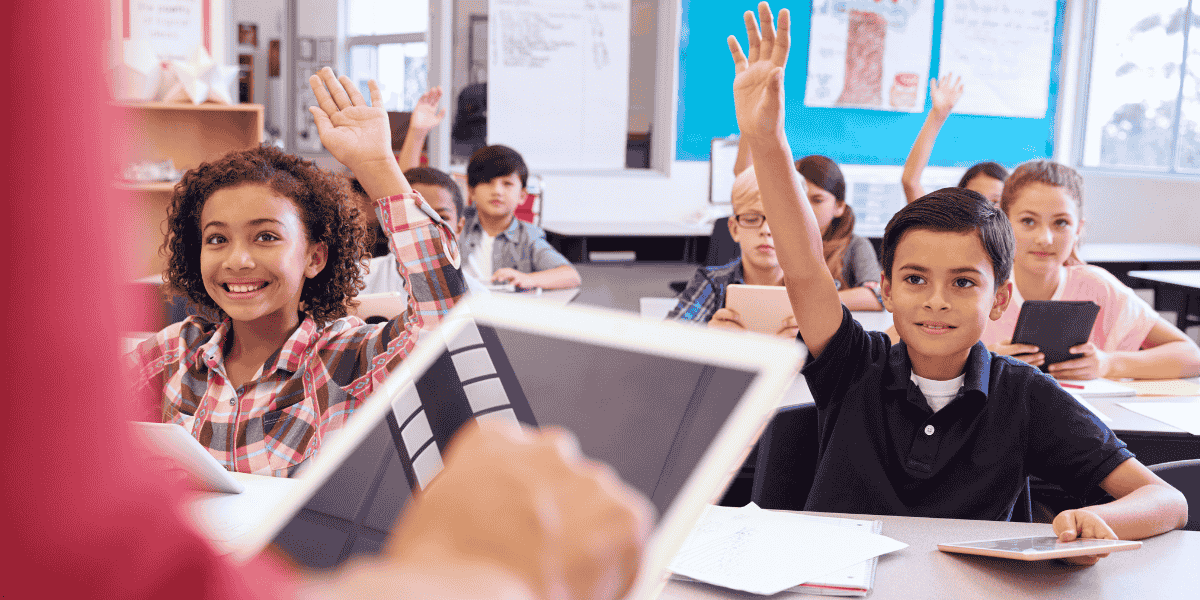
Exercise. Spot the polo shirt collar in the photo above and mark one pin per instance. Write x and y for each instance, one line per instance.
(978, 369)
(510, 232)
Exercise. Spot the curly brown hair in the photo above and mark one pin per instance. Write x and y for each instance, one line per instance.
(325, 207)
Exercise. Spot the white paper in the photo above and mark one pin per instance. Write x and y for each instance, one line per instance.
(1002, 50)
(766, 552)
(174, 28)
(1088, 405)
(1181, 415)
(558, 81)
(1096, 388)
(224, 519)
(870, 54)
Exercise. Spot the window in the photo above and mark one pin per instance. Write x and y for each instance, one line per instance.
(385, 40)
(1143, 95)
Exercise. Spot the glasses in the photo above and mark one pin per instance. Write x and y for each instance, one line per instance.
(751, 220)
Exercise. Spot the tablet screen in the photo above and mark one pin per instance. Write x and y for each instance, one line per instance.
(648, 416)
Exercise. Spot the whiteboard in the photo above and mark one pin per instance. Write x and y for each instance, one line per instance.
(721, 176)
(558, 81)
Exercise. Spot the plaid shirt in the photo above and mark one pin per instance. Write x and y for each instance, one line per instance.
(320, 376)
(705, 293)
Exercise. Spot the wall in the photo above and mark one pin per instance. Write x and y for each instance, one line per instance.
(268, 91)
(1123, 208)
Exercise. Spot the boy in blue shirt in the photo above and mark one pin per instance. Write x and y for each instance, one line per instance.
(496, 245)
(935, 426)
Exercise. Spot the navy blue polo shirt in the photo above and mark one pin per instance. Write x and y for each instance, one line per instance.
(883, 451)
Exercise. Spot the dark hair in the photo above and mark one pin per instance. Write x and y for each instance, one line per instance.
(1050, 173)
(431, 176)
(322, 200)
(956, 210)
(825, 174)
(490, 162)
(988, 168)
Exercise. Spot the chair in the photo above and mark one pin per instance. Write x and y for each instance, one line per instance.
(1184, 475)
(721, 250)
(787, 459)
(530, 210)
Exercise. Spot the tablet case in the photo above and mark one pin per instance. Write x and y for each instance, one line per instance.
(1055, 326)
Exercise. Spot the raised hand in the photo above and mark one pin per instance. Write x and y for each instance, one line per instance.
(945, 92)
(758, 87)
(354, 133)
(426, 115)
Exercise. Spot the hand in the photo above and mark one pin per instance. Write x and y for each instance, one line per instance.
(515, 277)
(354, 133)
(1023, 352)
(789, 329)
(1092, 365)
(758, 87)
(529, 503)
(945, 93)
(1071, 525)
(426, 115)
(727, 318)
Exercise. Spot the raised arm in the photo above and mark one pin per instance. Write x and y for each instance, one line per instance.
(945, 93)
(758, 97)
(425, 116)
(357, 135)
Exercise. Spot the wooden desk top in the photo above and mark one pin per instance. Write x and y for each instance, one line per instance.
(1165, 567)
(1140, 252)
(1181, 278)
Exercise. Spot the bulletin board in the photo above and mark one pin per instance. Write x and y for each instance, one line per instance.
(847, 135)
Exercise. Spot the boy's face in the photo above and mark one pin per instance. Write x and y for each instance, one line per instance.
(499, 197)
(442, 203)
(255, 255)
(758, 247)
(942, 290)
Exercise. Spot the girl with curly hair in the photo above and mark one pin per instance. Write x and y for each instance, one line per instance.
(269, 246)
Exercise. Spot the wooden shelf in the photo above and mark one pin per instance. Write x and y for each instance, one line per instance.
(156, 186)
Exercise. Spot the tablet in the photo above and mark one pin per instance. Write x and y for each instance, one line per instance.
(673, 408)
(172, 443)
(1055, 326)
(1043, 547)
(762, 307)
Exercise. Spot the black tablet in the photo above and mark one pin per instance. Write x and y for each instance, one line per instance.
(1055, 326)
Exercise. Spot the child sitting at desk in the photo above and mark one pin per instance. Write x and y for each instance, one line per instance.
(934, 426)
(497, 246)
(1044, 203)
(269, 243)
(987, 178)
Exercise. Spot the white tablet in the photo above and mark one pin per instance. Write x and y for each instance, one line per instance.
(172, 444)
(673, 408)
(1044, 547)
(762, 307)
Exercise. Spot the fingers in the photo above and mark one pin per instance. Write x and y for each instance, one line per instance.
(767, 25)
(783, 38)
(739, 59)
(753, 39)
(321, 119)
(318, 84)
(355, 96)
(338, 93)
(376, 93)
(1086, 349)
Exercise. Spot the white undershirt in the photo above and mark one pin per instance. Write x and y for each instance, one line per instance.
(939, 393)
(481, 260)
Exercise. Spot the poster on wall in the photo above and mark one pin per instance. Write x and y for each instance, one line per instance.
(1002, 51)
(869, 54)
(558, 81)
(174, 28)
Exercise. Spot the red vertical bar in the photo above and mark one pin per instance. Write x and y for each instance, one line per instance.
(206, 23)
(125, 19)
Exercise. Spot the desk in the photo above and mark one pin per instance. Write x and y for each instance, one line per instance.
(560, 297)
(226, 520)
(1120, 259)
(1152, 441)
(1165, 567)
(1177, 291)
(572, 237)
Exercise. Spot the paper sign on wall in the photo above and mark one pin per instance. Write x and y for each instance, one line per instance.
(174, 28)
(869, 54)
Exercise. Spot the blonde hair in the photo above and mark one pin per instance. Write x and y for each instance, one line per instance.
(1046, 172)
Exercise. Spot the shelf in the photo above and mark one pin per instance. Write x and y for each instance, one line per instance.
(210, 106)
(157, 186)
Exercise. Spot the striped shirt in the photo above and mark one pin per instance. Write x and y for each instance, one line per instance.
(318, 378)
(705, 293)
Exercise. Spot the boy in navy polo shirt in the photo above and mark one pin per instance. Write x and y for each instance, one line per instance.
(935, 426)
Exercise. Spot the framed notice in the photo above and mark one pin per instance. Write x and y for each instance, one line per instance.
(174, 28)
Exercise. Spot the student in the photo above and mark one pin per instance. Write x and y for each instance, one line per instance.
(935, 426)
(445, 198)
(703, 300)
(987, 178)
(1044, 204)
(497, 246)
(424, 116)
(268, 243)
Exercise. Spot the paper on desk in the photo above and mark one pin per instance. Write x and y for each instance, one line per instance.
(1088, 405)
(223, 519)
(1163, 387)
(1182, 415)
(766, 552)
(1097, 388)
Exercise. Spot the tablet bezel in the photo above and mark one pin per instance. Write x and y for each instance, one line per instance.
(775, 361)
(1108, 546)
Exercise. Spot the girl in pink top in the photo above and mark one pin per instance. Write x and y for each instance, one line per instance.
(1044, 202)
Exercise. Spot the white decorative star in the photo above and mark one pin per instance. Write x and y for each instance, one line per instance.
(192, 82)
(135, 71)
(220, 82)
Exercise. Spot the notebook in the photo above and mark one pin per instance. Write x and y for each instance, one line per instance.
(1055, 326)
(673, 409)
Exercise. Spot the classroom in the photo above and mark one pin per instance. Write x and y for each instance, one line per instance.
(295, 196)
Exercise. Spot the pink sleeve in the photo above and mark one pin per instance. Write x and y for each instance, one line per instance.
(1124, 320)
